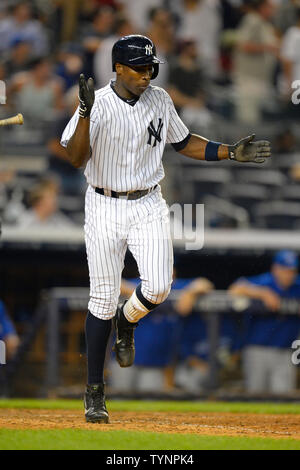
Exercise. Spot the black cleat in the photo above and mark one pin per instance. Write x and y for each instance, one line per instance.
(94, 404)
(124, 345)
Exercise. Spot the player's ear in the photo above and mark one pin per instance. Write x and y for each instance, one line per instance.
(119, 68)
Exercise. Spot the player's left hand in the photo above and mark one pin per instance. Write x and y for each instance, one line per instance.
(247, 151)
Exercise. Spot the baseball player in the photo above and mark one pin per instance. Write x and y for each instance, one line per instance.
(118, 133)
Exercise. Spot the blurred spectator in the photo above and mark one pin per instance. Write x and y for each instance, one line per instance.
(267, 355)
(74, 14)
(192, 372)
(161, 32)
(285, 142)
(20, 24)
(19, 57)
(64, 20)
(256, 52)
(8, 333)
(3, 9)
(285, 15)
(294, 172)
(70, 17)
(138, 12)
(88, 10)
(202, 21)
(290, 57)
(92, 35)
(3, 71)
(101, 27)
(11, 197)
(102, 59)
(187, 87)
(6, 178)
(231, 13)
(43, 199)
(73, 181)
(70, 64)
(37, 93)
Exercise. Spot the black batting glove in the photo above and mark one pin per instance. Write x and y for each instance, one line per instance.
(247, 151)
(86, 96)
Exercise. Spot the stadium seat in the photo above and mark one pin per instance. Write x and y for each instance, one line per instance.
(198, 182)
(221, 213)
(245, 195)
(290, 192)
(277, 215)
(267, 177)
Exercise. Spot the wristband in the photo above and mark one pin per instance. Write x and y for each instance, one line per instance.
(83, 112)
(211, 151)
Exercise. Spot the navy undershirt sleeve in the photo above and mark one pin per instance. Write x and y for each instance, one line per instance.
(180, 145)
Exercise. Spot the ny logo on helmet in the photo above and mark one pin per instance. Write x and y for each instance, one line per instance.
(148, 49)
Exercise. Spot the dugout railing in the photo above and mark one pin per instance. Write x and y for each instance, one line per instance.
(213, 305)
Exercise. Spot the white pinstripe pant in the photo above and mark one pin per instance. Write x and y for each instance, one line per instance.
(113, 225)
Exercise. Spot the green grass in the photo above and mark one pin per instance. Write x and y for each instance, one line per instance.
(72, 439)
(132, 440)
(182, 406)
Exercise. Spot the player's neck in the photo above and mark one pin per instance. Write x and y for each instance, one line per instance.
(122, 91)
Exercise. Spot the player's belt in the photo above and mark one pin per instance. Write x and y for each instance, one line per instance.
(125, 194)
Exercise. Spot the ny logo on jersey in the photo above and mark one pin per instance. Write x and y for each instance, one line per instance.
(155, 132)
(148, 49)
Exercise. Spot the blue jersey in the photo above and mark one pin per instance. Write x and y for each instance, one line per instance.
(6, 326)
(194, 338)
(272, 329)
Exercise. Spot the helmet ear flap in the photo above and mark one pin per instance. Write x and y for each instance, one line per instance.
(155, 71)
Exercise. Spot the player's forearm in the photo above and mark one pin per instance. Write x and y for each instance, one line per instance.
(247, 290)
(12, 342)
(252, 47)
(196, 148)
(185, 303)
(78, 148)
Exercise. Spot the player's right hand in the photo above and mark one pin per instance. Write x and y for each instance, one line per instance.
(86, 96)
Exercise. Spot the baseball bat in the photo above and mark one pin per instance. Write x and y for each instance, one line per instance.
(18, 119)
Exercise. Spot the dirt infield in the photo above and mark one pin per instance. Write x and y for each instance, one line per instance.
(228, 424)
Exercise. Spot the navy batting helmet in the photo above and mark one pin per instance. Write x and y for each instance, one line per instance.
(135, 50)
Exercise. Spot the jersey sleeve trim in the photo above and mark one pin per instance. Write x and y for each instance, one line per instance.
(183, 143)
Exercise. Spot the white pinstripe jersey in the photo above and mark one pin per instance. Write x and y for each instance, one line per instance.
(127, 142)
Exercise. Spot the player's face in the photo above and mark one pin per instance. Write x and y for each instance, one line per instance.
(284, 276)
(134, 79)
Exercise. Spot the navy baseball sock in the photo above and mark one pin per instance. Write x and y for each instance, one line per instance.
(97, 333)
